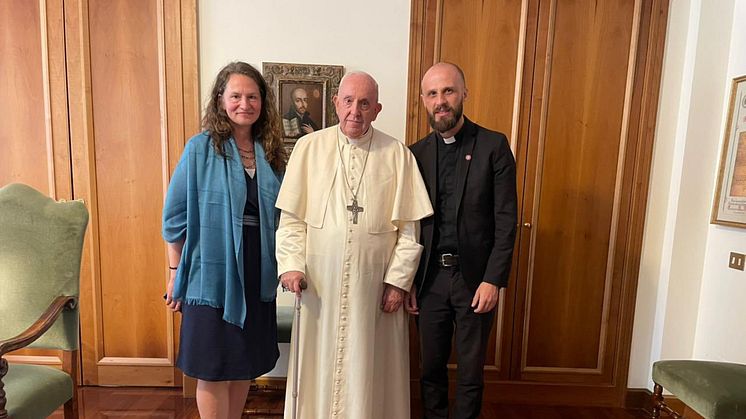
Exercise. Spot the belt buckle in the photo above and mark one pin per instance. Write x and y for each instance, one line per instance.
(446, 260)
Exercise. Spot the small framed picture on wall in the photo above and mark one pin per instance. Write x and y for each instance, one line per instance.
(304, 96)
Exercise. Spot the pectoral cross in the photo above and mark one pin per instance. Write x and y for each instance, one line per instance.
(354, 209)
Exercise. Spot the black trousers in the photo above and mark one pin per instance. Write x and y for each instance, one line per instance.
(445, 304)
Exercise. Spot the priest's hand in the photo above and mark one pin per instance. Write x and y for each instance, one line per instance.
(392, 300)
(291, 281)
(485, 298)
(410, 303)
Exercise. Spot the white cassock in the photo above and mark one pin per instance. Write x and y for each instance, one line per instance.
(354, 358)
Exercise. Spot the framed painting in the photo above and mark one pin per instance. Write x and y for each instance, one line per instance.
(729, 207)
(304, 96)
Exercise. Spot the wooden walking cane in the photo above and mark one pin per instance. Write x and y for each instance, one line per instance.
(296, 347)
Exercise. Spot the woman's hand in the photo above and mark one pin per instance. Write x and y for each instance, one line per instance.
(170, 302)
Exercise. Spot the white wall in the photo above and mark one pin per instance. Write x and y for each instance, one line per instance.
(372, 36)
(721, 325)
(369, 36)
(663, 192)
(687, 305)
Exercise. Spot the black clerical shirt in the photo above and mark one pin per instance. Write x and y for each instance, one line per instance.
(446, 240)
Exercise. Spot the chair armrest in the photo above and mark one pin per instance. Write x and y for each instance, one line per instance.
(45, 321)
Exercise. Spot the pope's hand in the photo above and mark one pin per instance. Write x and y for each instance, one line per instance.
(392, 300)
(291, 280)
(485, 298)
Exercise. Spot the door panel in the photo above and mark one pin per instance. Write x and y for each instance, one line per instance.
(128, 130)
(575, 187)
(488, 52)
(489, 47)
(33, 99)
(128, 170)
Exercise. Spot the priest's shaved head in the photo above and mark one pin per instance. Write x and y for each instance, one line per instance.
(443, 94)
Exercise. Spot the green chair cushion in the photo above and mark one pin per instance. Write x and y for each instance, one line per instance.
(284, 323)
(716, 390)
(35, 391)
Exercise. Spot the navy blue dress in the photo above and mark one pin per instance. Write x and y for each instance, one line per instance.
(212, 349)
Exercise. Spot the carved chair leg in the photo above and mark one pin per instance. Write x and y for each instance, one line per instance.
(3, 400)
(659, 405)
(70, 364)
(672, 413)
(657, 401)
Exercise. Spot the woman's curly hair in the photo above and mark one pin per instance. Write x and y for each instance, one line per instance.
(268, 127)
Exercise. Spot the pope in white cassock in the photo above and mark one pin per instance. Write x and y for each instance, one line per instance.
(351, 202)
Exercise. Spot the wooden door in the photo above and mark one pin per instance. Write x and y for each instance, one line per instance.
(132, 72)
(33, 103)
(574, 85)
(577, 192)
(490, 48)
(593, 104)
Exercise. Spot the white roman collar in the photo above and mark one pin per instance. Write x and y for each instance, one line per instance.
(359, 142)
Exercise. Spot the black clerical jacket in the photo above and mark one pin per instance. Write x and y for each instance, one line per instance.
(486, 205)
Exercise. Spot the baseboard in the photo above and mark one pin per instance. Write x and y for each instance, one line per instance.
(188, 387)
(261, 384)
(269, 384)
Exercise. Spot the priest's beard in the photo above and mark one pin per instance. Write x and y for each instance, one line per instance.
(446, 123)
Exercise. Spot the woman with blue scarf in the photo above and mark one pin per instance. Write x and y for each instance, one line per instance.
(219, 222)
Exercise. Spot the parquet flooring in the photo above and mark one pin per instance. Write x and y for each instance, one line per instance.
(118, 402)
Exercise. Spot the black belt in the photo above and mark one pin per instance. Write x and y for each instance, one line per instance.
(446, 260)
(250, 220)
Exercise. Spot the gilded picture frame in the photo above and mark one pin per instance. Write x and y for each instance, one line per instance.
(729, 207)
(304, 96)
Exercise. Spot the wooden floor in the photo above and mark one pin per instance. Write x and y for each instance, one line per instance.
(103, 402)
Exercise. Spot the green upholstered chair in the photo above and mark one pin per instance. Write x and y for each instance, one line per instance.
(41, 242)
(715, 390)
